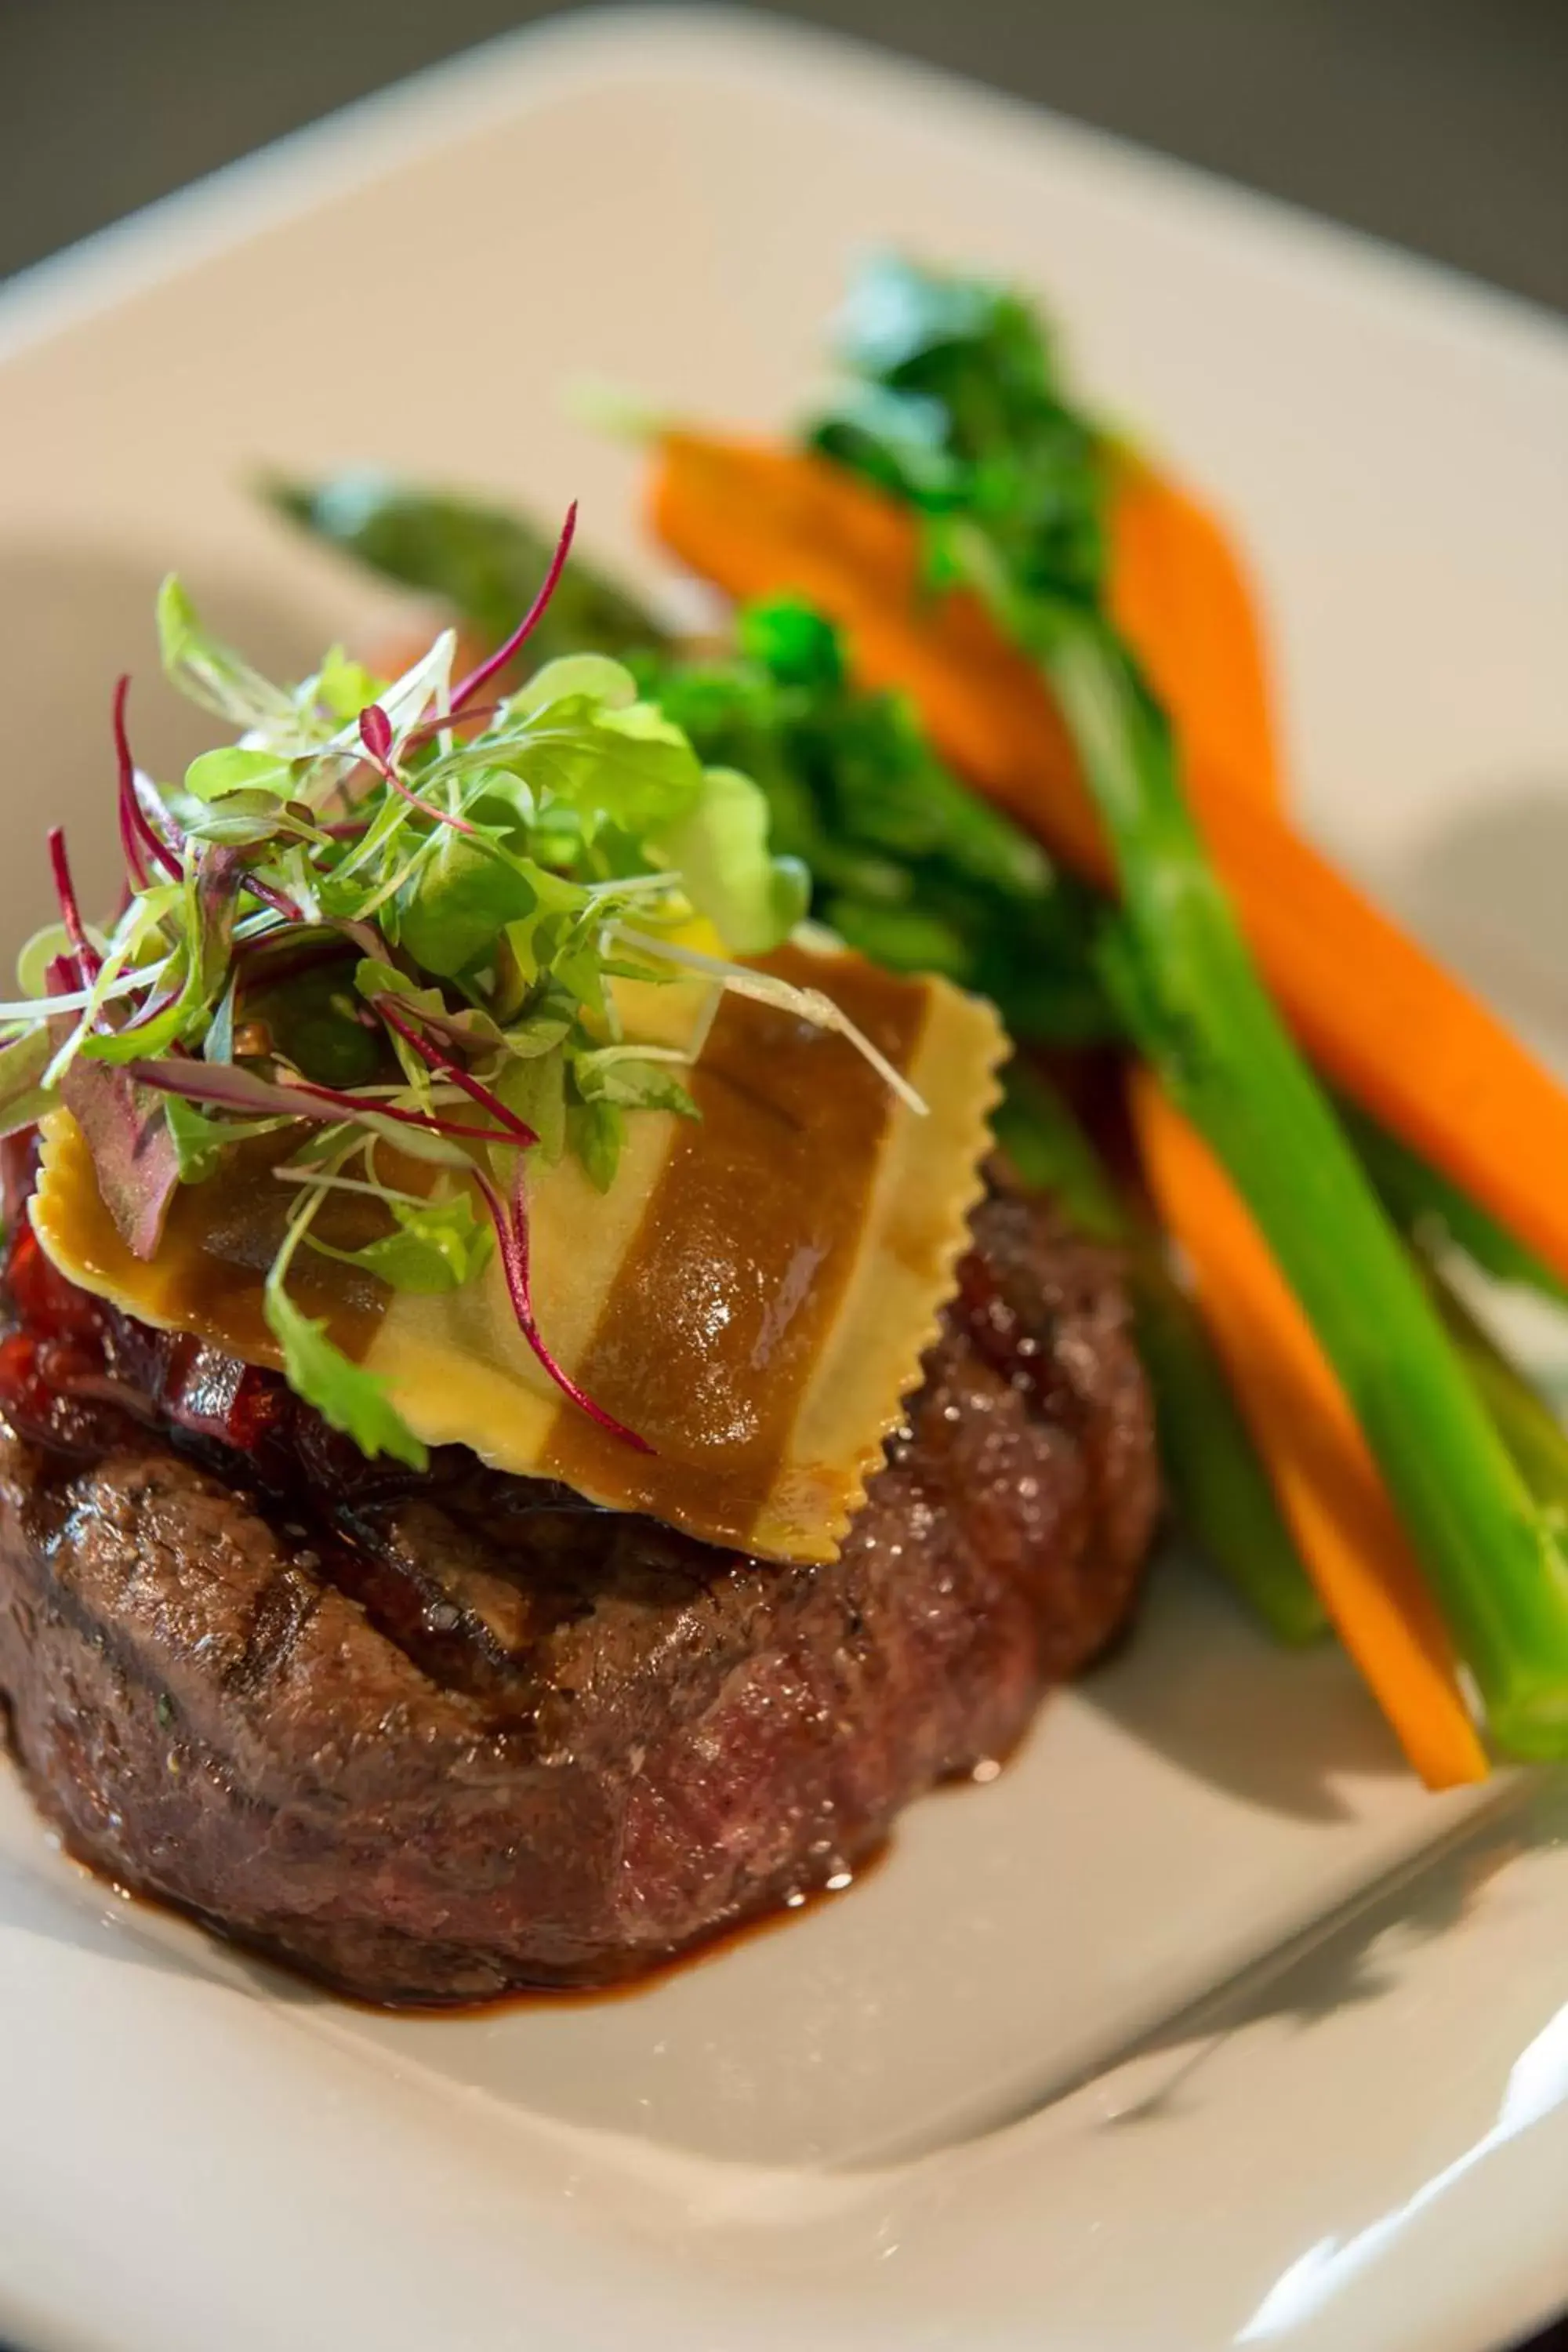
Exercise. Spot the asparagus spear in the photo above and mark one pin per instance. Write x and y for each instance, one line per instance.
(1220, 1492)
(960, 409)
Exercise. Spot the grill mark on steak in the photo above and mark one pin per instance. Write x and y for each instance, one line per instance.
(435, 1737)
(284, 1607)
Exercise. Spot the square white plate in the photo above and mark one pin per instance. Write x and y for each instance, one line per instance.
(1203, 2024)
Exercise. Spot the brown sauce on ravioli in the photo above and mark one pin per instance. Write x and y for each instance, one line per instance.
(707, 1340)
(219, 1240)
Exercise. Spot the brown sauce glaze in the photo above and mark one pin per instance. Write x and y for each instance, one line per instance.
(219, 1241)
(715, 1318)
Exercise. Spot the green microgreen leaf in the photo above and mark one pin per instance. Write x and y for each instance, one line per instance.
(436, 1245)
(201, 1141)
(210, 672)
(452, 911)
(344, 1394)
(243, 819)
(574, 679)
(543, 1023)
(23, 1095)
(578, 965)
(343, 688)
(217, 1045)
(534, 1090)
(196, 972)
(618, 1074)
(38, 952)
(605, 762)
(596, 1132)
(372, 978)
(232, 769)
(719, 848)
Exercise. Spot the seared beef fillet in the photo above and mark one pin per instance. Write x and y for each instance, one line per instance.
(434, 1737)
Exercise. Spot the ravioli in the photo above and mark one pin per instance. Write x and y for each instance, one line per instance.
(753, 1296)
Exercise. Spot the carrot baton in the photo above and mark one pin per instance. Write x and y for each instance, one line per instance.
(1338, 1508)
(1380, 1017)
(1176, 589)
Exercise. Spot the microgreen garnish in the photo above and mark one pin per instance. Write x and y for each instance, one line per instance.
(387, 919)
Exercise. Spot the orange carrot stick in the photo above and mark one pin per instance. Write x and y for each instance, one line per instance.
(1181, 597)
(1328, 1486)
(1380, 1017)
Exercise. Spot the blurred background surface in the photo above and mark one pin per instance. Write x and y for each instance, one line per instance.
(1436, 123)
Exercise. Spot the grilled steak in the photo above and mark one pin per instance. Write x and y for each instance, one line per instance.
(432, 1737)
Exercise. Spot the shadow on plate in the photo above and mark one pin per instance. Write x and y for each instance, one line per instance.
(1352, 1956)
(1283, 1729)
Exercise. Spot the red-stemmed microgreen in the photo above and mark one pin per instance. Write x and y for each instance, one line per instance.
(138, 836)
(435, 1057)
(137, 873)
(227, 1087)
(88, 960)
(62, 982)
(376, 734)
(504, 654)
(430, 729)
